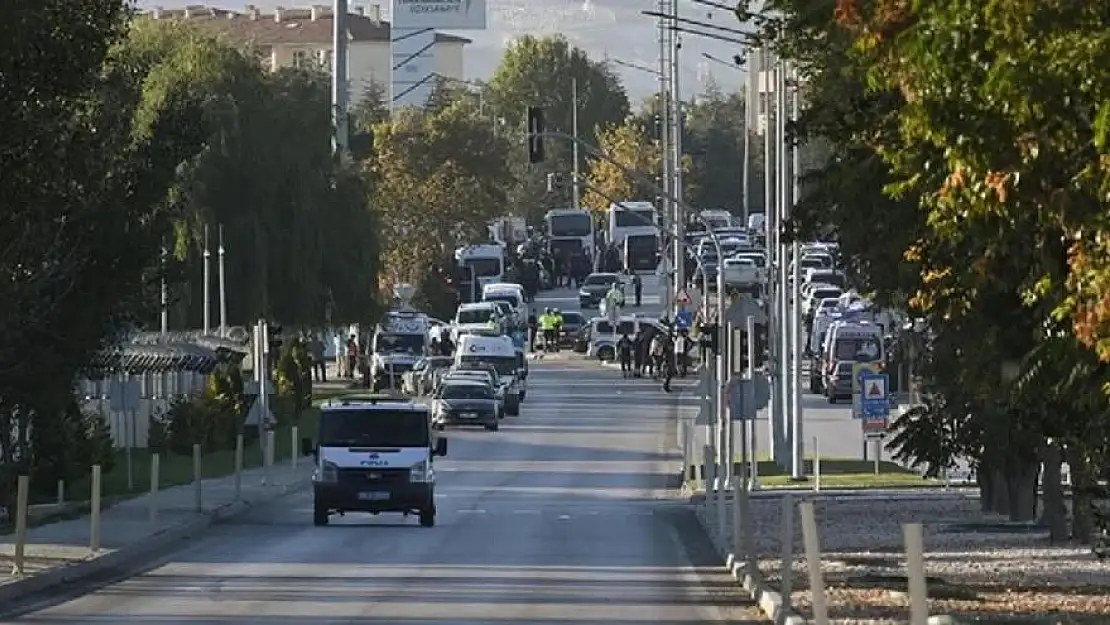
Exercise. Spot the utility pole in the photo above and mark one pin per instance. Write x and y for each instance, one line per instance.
(207, 284)
(223, 283)
(787, 306)
(574, 148)
(666, 206)
(774, 261)
(751, 107)
(339, 95)
(797, 469)
(676, 151)
(165, 293)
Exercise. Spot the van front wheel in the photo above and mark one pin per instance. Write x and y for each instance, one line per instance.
(319, 515)
(428, 517)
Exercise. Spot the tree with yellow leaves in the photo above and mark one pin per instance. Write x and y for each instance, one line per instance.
(439, 178)
(628, 145)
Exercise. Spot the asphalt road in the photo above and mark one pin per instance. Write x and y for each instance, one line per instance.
(561, 517)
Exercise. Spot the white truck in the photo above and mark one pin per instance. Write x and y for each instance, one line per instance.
(499, 352)
(375, 454)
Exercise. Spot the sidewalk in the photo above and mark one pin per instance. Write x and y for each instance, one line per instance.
(59, 552)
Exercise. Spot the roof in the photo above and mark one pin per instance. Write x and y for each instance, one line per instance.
(312, 26)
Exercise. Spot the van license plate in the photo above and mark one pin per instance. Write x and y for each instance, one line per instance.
(469, 415)
(373, 495)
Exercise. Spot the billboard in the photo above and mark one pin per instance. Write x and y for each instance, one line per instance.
(439, 14)
(413, 39)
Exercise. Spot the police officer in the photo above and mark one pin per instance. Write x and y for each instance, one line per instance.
(558, 326)
(547, 326)
(533, 327)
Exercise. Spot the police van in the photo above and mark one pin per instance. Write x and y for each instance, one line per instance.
(401, 339)
(375, 454)
(500, 352)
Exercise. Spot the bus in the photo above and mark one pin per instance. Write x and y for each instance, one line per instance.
(569, 231)
(641, 252)
(480, 265)
(632, 218)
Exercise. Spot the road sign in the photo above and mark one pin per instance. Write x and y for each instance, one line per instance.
(859, 369)
(683, 298)
(874, 402)
(684, 319)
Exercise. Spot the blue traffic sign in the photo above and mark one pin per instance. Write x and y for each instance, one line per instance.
(874, 401)
(684, 319)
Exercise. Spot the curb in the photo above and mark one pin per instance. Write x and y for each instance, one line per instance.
(80, 570)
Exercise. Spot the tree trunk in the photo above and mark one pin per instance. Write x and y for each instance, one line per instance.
(1021, 484)
(984, 476)
(1054, 513)
(1082, 483)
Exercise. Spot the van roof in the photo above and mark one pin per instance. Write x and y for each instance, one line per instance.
(477, 305)
(377, 401)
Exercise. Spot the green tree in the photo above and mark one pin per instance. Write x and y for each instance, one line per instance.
(542, 72)
(87, 165)
(299, 235)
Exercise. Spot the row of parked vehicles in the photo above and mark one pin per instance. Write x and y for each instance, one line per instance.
(375, 453)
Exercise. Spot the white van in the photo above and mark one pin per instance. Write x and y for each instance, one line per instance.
(511, 294)
(500, 352)
(478, 318)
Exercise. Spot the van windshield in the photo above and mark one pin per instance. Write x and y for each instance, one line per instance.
(373, 428)
(476, 315)
(858, 349)
(399, 343)
(506, 298)
(506, 365)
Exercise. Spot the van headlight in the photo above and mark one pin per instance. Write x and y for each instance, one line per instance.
(583, 293)
(421, 472)
(326, 473)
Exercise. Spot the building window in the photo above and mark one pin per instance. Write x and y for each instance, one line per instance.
(324, 59)
(302, 59)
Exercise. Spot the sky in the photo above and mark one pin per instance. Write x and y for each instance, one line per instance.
(612, 29)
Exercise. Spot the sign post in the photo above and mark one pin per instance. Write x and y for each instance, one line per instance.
(874, 410)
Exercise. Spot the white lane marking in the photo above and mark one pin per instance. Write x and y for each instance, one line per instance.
(526, 512)
(471, 511)
(564, 517)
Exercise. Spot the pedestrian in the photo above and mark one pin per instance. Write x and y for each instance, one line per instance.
(547, 326)
(319, 361)
(637, 288)
(352, 356)
(533, 326)
(340, 355)
(681, 346)
(558, 327)
(668, 363)
(625, 348)
(658, 351)
(638, 354)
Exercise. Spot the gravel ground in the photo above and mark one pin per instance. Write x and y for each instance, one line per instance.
(978, 565)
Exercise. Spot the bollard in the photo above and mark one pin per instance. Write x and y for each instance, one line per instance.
(737, 517)
(816, 466)
(915, 573)
(294, 447)
(786, 570)
(23, 487)
(239, 467)
(61, 493)
(269, 453)
(878, 454)
(198, 477)
(155, 482)
(813, 562)
(94, 510)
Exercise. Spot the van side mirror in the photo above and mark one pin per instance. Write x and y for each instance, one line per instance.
(441, 447)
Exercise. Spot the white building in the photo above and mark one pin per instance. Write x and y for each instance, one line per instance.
(304, 36)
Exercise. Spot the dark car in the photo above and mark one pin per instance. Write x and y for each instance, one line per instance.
(573, 322)
(461, 402)
(594, 289)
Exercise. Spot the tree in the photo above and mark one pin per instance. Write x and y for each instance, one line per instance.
(300, 238)
(88, 162)
(543, 72)
(627, 145)
(439, 178)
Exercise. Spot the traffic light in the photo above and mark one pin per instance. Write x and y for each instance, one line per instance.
(536, 128)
